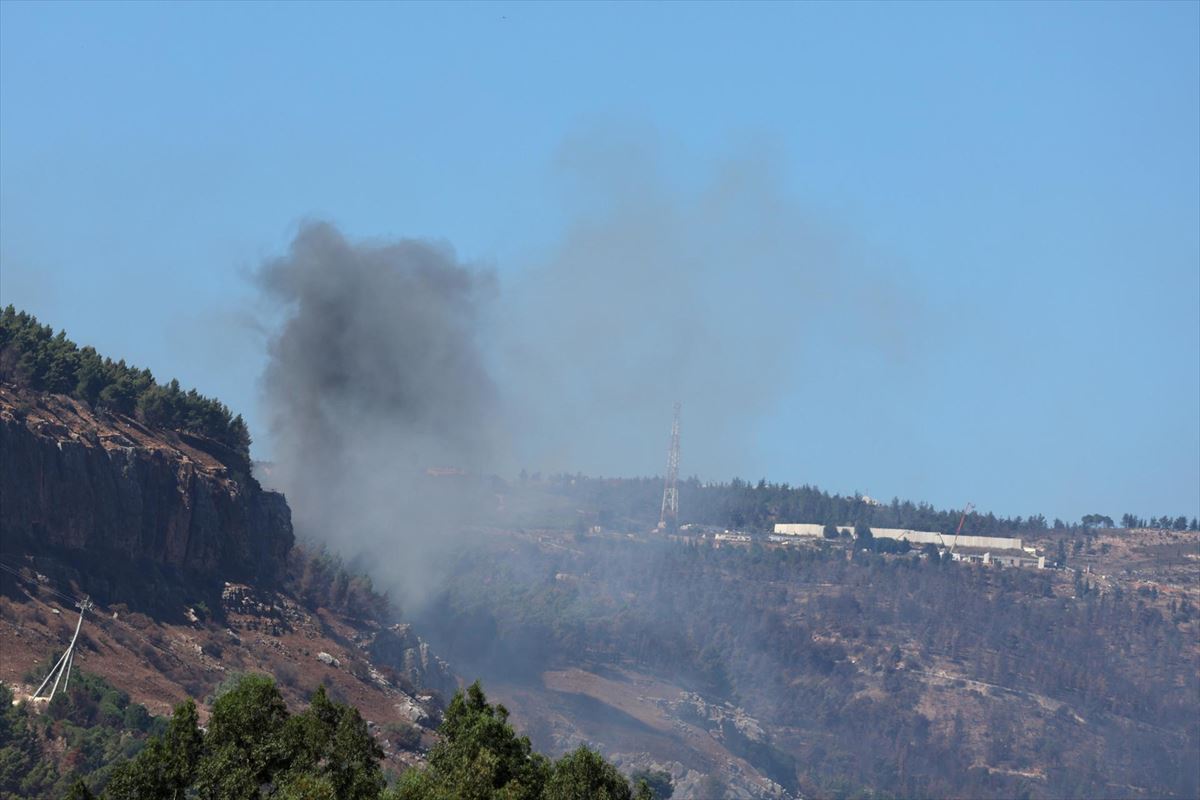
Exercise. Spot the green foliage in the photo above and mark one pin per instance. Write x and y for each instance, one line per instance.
(306, 786)
(81, 737)
(481, 757)
(22, 771)
(166, 767)
(80, 791)
(255, 748)
(32, 355)
(243, 746)
(653, 784)
(583, 774)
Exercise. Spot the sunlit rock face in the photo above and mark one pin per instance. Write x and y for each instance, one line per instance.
(81, 480)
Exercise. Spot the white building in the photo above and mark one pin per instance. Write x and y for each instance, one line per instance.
(815, 531)
(984, 549)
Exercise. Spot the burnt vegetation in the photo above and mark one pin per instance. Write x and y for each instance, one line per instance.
(321, 580)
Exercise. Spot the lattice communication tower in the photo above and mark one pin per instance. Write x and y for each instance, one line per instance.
(669, 518)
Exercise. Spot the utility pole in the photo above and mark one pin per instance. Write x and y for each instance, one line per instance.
(62, 668)
(669, 518)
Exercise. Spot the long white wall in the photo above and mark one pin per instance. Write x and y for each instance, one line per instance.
(913, 537)
(806, 529)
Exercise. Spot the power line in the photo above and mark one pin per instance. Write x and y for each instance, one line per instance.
(101, 616)
(51, 589)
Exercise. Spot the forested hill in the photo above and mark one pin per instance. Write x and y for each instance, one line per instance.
(635, 502)
(33, 357)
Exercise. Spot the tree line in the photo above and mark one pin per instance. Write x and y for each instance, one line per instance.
(33, 356)
(1163, 523)
(758, 506)
(253, 747)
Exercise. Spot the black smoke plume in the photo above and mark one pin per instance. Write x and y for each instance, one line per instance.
(375, 389)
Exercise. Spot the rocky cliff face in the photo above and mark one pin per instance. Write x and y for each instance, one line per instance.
(400, 647)
(73, 479)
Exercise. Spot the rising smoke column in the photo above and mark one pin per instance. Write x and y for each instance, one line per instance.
(374, 375)
(389, 358)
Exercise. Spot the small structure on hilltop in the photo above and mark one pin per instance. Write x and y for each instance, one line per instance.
(1004, 557)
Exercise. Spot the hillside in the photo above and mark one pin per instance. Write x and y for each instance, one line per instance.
(829, 672)
(284, 673)
(753, 669)
(194, 574)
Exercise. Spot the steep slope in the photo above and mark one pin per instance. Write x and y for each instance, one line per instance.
(834, 671)
(77, 480)
(193, 569)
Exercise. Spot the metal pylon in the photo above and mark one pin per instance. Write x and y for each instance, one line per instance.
(670, 502)
(61, 671)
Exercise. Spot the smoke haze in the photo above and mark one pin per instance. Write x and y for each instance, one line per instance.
(374, 376)
(395, 357)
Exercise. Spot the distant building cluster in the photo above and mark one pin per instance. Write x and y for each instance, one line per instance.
(1000, 550)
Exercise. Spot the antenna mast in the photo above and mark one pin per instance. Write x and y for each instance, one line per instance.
(62, 668)
(669, 518)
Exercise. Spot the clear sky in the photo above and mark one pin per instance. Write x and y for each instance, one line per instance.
(1029, 175)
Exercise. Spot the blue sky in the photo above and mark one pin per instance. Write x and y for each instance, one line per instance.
(1019, 184)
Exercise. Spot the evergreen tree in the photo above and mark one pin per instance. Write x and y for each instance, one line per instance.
(863, 536)
(31, 355)
(479, 757)
(583, 774)
(80, 791)
(244, 746)
(657, 784)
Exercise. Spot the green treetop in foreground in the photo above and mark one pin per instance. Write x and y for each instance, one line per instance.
(255, 748)
(481, 756)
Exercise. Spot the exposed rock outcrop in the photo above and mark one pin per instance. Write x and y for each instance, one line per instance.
(75, 479)
(399, 646)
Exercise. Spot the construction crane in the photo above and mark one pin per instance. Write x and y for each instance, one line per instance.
(970, 507)
(669, 517)
(61, 671)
